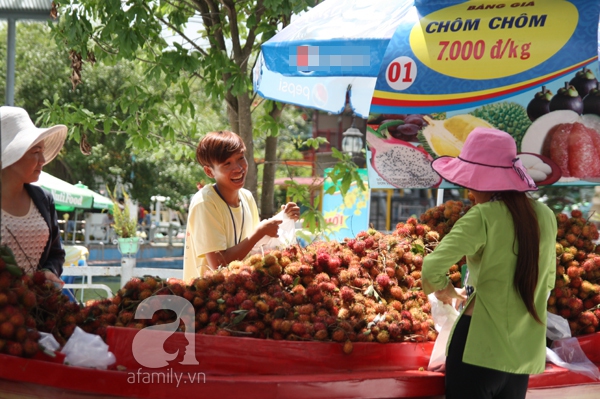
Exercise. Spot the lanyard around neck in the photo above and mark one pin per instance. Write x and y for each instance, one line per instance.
(235, 237)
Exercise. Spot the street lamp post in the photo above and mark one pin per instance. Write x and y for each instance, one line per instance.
(352, 142)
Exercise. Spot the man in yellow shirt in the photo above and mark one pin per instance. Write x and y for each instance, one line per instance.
(223, 221)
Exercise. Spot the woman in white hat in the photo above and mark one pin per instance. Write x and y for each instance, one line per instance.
(29, 220)
(509, 241)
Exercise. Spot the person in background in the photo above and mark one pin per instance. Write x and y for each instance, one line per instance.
(29, 220)
(509, 239)
(223, 222)
(107, 221)
(141, 214)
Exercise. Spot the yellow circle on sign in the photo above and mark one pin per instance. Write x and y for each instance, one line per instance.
(475, 40)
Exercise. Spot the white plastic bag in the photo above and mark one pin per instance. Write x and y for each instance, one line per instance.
(286, 234)
(557, 327)
(48, 341)
(567, 353)
(444, 317)
(87, 350)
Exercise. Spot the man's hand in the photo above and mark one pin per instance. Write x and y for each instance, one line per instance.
(292, 210)
(268, 227)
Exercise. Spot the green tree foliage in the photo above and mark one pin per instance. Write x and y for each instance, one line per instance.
(220, 58)
(42, 77)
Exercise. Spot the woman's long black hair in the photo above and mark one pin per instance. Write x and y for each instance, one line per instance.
(527, 235)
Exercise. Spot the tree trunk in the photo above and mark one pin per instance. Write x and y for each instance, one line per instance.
(244, 123)
(267, 199)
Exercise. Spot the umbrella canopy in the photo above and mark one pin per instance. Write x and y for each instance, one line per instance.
(67, 197)
(344, 41)
(100, 201)
(405, 56)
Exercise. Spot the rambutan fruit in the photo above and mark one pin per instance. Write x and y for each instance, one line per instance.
(306, 270)
(357, 310)
(334, 264)
(30, 347)
(383, 337)
(286, 279)
(347, 347)
(575, 282)
(29, 299)
(343, 314)
(380, 308)
(13, 348)
(426, 307)
(298, 328)
(383, 280)
(322, 278)
(588, 318)
(275, 270)
(269, 260)
(416, 274)
(566, 257)
(574, 271)
(298, 299)
(432, 236)
(285, 261)
(575, 305)
(400, 272)
(407, 258)
(7, 330)
(327, 287)
(359, 247)
(589, 288)
(321, 335)
(455, 277)
(347, 294)
(338, 335)
(322, 259)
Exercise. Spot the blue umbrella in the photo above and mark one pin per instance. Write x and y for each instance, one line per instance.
(399, 56)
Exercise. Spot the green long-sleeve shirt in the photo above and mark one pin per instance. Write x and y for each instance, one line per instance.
(503, 335)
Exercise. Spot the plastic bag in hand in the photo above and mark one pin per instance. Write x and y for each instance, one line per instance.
(87, 350)
(286, 234)
(444, 317)
(557, 327)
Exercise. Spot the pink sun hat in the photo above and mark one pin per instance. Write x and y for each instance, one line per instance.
(487, 162)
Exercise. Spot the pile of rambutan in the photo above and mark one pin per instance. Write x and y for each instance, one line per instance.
(576, 295)
(441, 218)
(18, 334)
(364, 289)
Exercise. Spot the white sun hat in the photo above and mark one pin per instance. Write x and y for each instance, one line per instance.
(19, 134)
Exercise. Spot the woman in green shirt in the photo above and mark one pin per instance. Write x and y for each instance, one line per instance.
(509, 243)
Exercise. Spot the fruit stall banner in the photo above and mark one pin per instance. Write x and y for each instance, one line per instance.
(347, 215)
(528, 68)
(443, 68)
